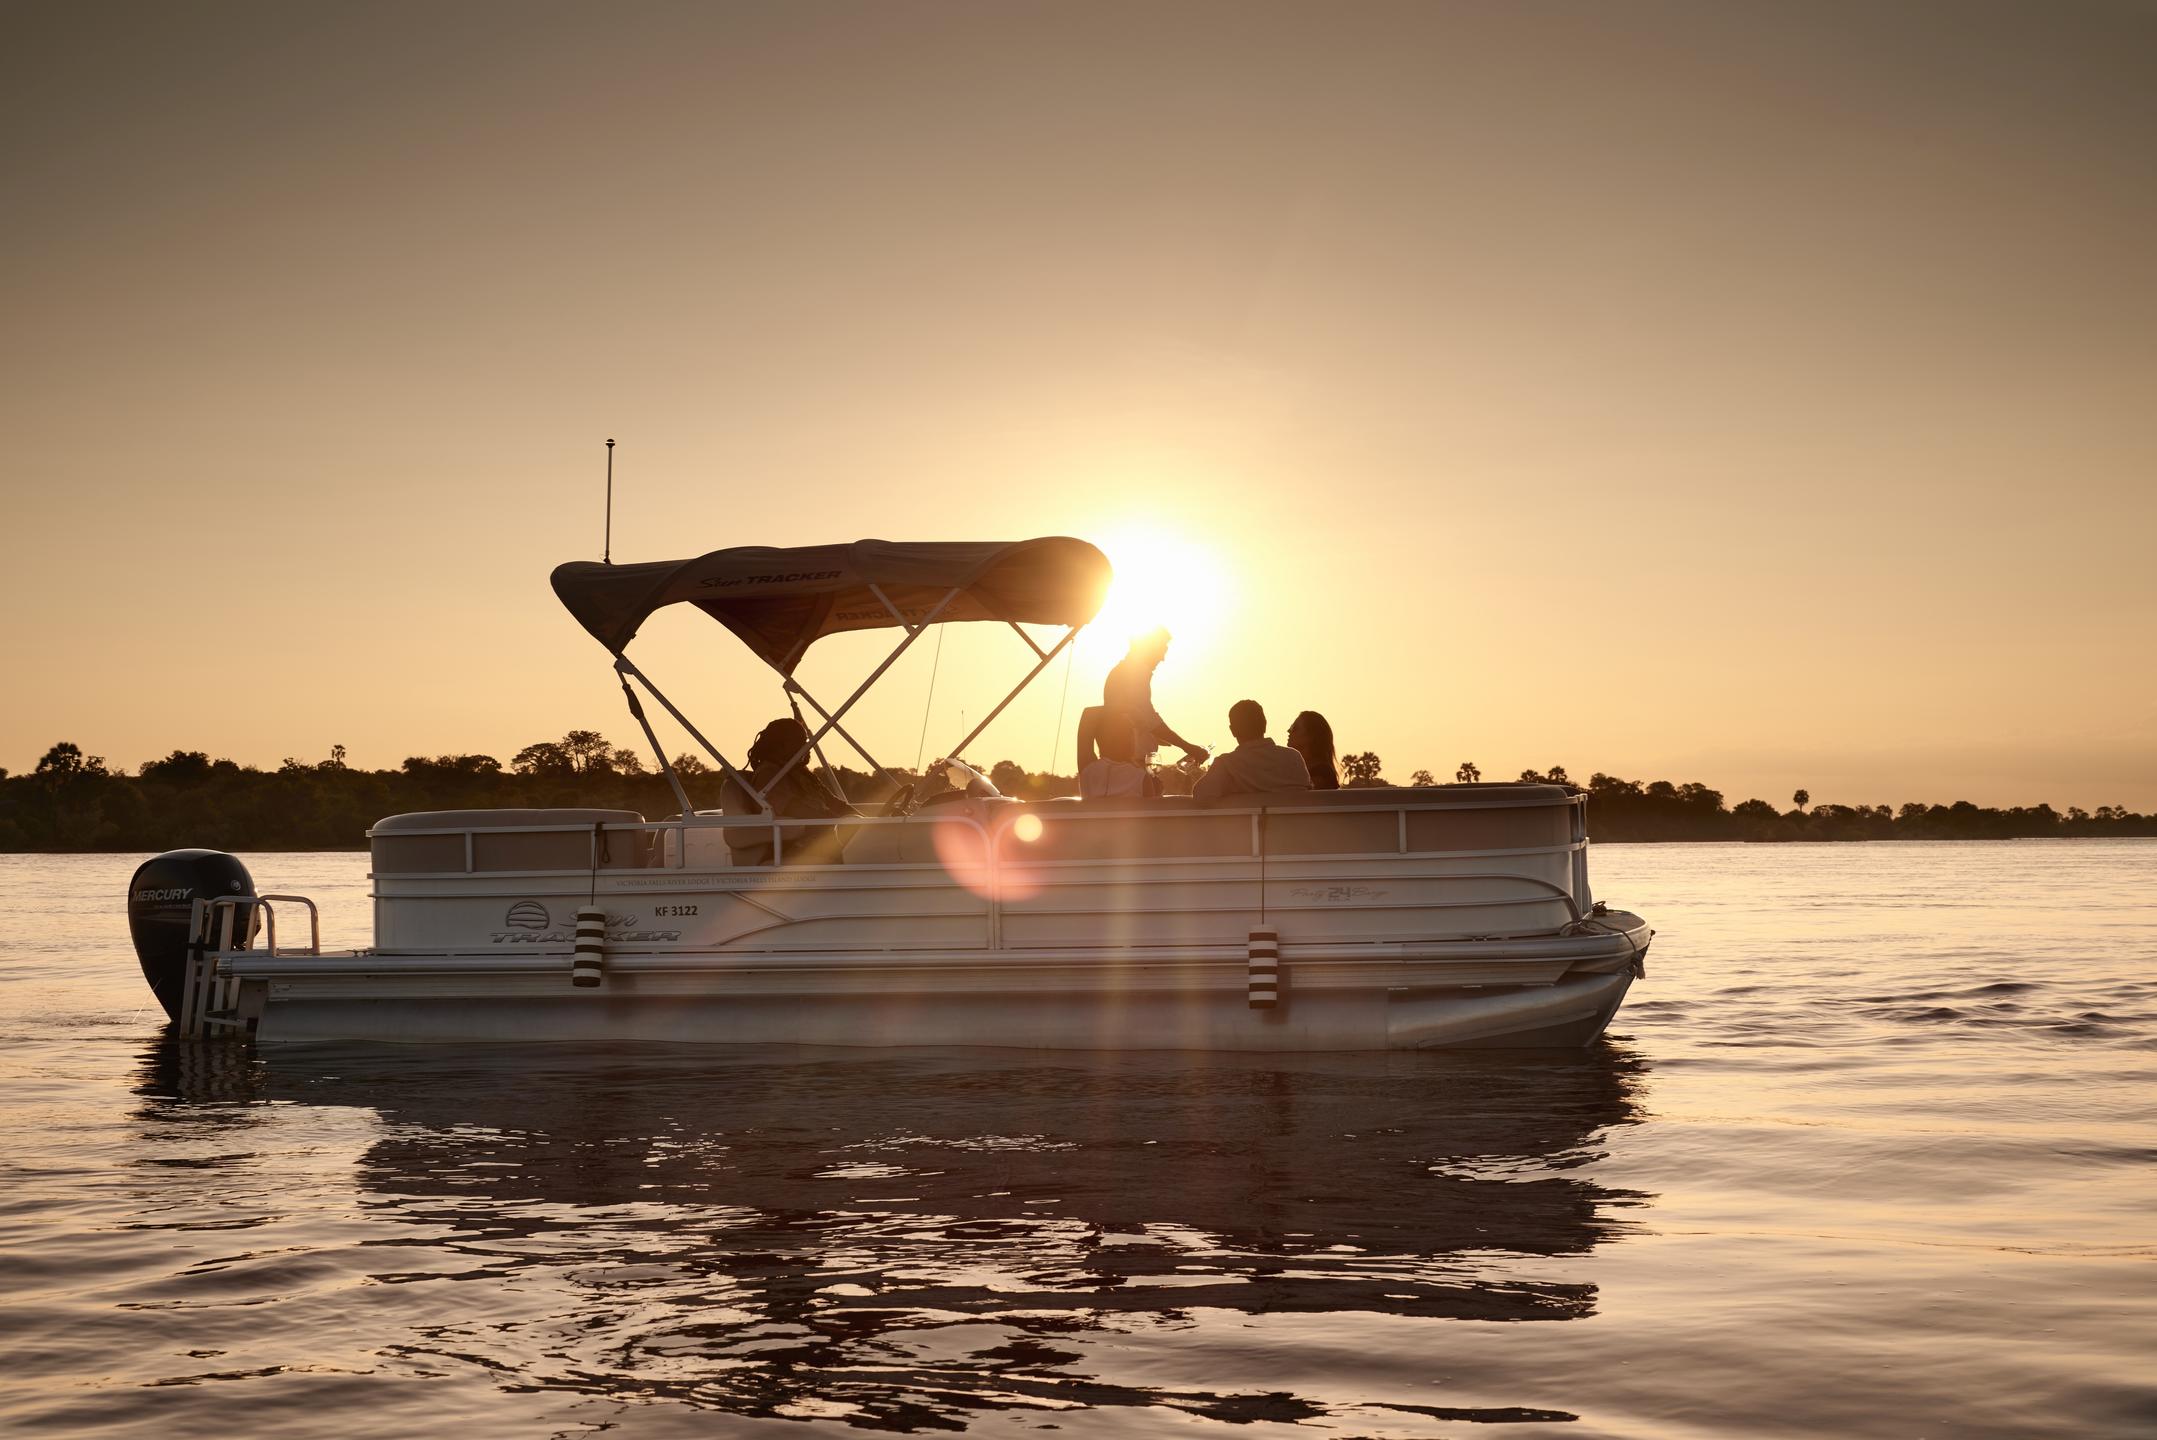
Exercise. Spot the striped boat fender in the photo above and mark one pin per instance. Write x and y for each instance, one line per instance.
(590, 964)
(1265, 979)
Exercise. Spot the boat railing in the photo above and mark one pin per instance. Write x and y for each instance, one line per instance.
(1259, 815)
(230, 927)
(1000, 850)
(676, 857)
(1006, 827)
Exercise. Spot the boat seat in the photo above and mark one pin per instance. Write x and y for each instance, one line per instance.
(918, 840)
(536, 839)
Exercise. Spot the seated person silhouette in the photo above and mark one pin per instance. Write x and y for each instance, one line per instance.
(1114, 773)
(1256, 767)
(799, 794)
(1311, 736)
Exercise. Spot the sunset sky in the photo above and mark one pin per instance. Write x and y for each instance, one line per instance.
(1764, 394)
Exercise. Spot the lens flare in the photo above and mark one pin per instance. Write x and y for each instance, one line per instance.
(958, 842)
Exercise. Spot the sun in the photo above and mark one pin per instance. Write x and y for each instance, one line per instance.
(1162, 579)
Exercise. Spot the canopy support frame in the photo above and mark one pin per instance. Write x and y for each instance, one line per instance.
(1031, 643)
(833, 717)
(793, 707)
(666, 766)
(896, 614)
(795, 687)
(958, 751)
(623, 664)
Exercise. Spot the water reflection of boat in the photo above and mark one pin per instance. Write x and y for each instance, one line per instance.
(907, 1238)
(1357, 919)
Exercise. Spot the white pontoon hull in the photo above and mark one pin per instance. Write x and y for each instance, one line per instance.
(1456, 916)
(1056, 1003)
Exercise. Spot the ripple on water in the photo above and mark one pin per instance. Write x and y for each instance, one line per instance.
(1844, 1129)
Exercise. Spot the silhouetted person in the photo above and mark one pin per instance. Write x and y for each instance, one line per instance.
(1311, 736)
(1129, 689)
(1256, 766)
(800, 794)
(1116, 773)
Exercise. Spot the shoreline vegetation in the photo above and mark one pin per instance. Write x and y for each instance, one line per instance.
(76, 802)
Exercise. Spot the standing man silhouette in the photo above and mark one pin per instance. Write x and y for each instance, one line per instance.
(1129, 691)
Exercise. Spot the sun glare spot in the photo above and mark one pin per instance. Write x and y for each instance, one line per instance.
(1162, 579)
(1027, 828)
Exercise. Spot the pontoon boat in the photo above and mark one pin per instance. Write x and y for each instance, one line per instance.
(1356, 919)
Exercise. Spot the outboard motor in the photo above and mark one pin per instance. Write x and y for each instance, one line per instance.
(161, 906)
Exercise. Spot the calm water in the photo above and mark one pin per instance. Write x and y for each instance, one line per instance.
(1873, 1151)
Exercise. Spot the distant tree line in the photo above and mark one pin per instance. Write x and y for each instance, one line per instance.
(73, 801)
(1659, 810)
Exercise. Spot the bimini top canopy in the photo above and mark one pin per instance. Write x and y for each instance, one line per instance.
(780, 602)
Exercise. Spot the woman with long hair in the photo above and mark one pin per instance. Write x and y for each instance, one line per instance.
(796, 794)
(1310, 736)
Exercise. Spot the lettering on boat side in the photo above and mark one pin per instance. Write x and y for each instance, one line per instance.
(1335, 894)
(530, 924)
(531, 915)
(908, 612)
(169, 892)
(793, 577)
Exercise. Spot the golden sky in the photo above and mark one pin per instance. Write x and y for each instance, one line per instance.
(1763, 394)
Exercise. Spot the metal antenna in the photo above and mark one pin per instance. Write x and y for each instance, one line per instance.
(606, 553)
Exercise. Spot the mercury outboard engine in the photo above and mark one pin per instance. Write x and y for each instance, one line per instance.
(161, 905)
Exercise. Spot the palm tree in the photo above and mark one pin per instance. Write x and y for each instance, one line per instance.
(1468, 774)
(1801, 799)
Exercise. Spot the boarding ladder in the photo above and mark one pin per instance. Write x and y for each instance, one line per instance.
(211, 1005)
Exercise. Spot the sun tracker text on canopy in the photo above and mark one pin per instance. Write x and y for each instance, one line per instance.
(779, 602)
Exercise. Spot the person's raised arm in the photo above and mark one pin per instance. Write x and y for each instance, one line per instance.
(1161, 732)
